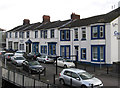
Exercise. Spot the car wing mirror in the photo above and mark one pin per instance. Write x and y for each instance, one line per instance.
(78, 79)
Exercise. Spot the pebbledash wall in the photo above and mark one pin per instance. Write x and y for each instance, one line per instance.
(92, 39)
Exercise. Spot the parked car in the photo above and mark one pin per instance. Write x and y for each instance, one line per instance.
(18, 60)
(45, 59)
(80, 78)
(2, 53)
(19, 53)
(8, 56)
(66, 63)
(33, 67)
(33, 55)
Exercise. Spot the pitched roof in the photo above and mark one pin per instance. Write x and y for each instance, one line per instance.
(104, 18)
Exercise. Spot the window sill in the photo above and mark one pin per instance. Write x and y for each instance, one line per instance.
(83, 39)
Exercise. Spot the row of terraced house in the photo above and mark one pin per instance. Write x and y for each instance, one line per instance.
(93, 39)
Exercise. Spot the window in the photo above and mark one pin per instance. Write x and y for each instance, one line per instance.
(98, 53)
(36, 34)
(83, 53)
(52, 49)
(35, 47)
(52, 33)
(74, 75)
(65, 35)
(98, 32)
(67, 73)
(94, 53)
(76, 34)
(16, 35)
(83, 33)
(10, 45)
(65, 51)
(44, 49)
(10, 34)
(6, 34)
(21, 46)
(27, 34)
(42, 34)
(22, 34)
(45, 34)
(101, 31)
(15, 45)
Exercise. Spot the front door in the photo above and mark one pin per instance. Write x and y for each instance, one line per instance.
(76, 52)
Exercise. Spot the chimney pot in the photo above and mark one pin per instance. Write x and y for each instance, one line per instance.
(75, 16)
(26, 21)
(46, 18)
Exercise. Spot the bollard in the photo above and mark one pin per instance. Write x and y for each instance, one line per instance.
(34, 83)
(91, 85)
(53, 78)
(23, 82)
(107, 70)
(94, 68)
(71, 82)
(45, 71)
(39, 75)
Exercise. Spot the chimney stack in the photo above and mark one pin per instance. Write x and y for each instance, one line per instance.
(46, 18)
(75, 16)
(26, 21)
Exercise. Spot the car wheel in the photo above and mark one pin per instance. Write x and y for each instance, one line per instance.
(83, 86)
(62, 82)
(65, 66)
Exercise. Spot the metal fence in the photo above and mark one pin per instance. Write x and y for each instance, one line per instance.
(22, 80)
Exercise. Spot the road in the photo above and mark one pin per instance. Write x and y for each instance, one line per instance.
(108, 80)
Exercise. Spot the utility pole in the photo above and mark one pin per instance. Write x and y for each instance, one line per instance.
(0, 73)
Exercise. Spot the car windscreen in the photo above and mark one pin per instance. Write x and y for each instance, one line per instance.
(11, 55)
(34, 63)
(68, 60)
(19, 58)
(85, 75)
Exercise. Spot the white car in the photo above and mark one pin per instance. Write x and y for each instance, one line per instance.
(66, 63)
(18, 60)
(45, 58)
(19, 53)
(79, 78)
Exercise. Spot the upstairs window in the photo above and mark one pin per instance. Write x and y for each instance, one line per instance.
(52, 33)
(6, 34)
(76, 34)
(27, 34)
(10, 34)
(45, 34)
(83, 33)
(65, 35)
(16, 35)
(98, 32)
(22, 34)
(36, 34)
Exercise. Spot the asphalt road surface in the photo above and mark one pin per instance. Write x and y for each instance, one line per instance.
(109, 81)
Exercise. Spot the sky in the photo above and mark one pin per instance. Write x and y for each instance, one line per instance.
(13, 12)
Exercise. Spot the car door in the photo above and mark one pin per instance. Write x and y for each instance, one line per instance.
(75, 80)
(67, 77)
(60, 62)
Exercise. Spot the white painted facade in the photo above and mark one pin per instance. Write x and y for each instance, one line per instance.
(111, 43)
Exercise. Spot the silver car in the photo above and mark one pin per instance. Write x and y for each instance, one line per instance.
(79, 78)
(45, 58)
(18, 60)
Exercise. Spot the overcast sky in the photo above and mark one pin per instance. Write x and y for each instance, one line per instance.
(12, 12)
